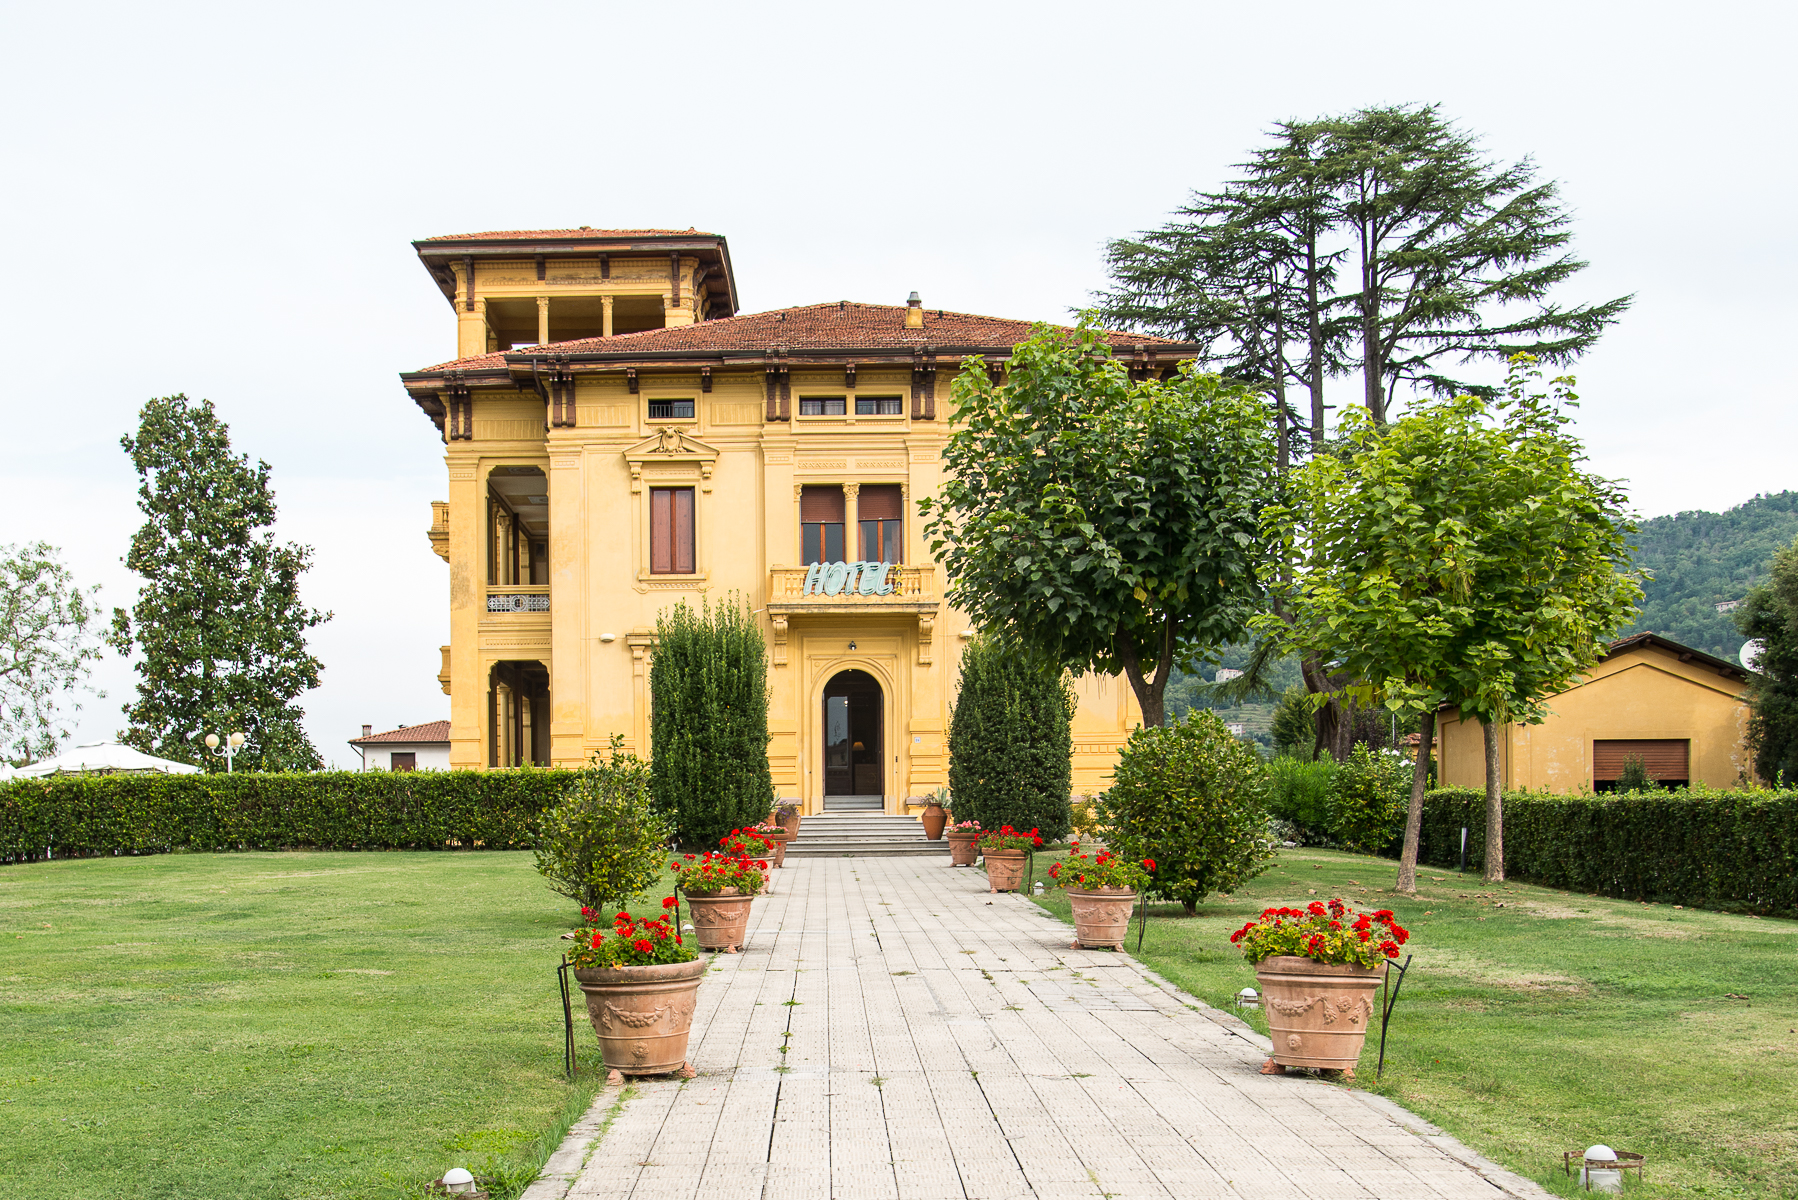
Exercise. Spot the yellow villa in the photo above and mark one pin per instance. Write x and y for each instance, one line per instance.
(618, 439)
(1680, 710)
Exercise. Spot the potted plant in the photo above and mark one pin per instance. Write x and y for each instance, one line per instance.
(1101, 889)
(1004, 851)
(719, 885)
(936, 815)
(641, 982)
(1319, 967)
(786, 815)
(777, 839)
(962, 836)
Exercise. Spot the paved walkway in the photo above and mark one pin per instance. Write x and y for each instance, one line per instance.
(943, 1043)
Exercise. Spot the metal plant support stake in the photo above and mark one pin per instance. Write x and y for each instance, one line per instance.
(567, 1020)
(1386, 1003)
(1142, 923)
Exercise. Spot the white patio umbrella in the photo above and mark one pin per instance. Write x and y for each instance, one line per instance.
(6, 773)
(104, 758)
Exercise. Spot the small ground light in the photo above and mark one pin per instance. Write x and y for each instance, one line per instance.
(458, 1182)
(1039, 887)
(1602, 1168)
(1248, 998)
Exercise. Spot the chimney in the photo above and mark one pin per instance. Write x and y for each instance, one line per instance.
(914, 312)
(367, 730)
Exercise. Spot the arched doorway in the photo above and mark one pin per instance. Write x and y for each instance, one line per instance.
(853, 718)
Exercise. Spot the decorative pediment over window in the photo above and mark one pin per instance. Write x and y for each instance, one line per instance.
(675, 450)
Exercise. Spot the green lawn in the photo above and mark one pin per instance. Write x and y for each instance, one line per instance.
(280, 1025)
(1535, 1021)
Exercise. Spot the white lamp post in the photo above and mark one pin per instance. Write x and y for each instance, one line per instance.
(232, 744)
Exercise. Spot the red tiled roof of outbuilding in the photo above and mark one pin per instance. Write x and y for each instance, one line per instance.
(519, 235)
(430, 731)
(836, 325)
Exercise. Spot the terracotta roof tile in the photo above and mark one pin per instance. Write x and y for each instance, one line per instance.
(582, 232)
(430, 731)
(838, 325)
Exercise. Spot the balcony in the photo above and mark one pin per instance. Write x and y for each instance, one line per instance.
(852, 588)
(518, 598)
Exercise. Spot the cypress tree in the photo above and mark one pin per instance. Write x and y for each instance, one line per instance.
(1011, 742)
(708, 730)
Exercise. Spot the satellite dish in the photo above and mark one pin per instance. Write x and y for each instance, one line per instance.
(1750, 653)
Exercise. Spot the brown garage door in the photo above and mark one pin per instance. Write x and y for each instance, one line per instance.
(1667, 759)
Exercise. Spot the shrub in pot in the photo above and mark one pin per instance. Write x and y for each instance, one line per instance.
(604, 842)
(1319, 967)
(1101, 889)
(1011, 740)
(1193, 797)
(641, 981)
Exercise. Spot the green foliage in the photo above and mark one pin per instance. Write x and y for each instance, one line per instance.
(1300, 793)
(1634, 776)
(77, 816)
(1693, 561)
(1193, 798)
(1771, 615)
(708, 729)
(1011, 741)
(218, 626)
(1368, 795)
(1294, 724)
(623, 940)
(1108, 525)
(1698, 847)
(46, 651)
(605, 841)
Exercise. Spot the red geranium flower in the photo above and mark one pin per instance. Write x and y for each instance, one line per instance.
(1148, 864)
(669, 901)
(1316, 908)
(644, 946)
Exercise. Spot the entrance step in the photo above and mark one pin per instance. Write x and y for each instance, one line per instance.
(854, 804)
(861, 835)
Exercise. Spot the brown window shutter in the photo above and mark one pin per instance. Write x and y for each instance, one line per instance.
(878, 502)
(683, 531)
(821, 504)
(1665, 758)
(661, 531)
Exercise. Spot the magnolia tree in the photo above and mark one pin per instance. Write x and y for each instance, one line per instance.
(1105, 524)
(47, 648)
(1459, 556)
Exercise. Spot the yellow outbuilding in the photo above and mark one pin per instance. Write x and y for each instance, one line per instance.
(617, 439)
(1680, 710)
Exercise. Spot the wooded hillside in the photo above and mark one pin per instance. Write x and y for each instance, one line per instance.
(1702, 559)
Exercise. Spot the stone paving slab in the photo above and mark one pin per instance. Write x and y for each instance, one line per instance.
(945, 1043)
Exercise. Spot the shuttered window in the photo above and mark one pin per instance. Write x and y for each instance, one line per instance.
(1667, 759)
(671, 531)
(820, 524)
(879, 510)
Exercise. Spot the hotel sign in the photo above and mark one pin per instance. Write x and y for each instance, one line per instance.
(849, 579)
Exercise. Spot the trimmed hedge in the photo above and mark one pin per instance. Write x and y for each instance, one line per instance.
(1707, 849)
(80, 816)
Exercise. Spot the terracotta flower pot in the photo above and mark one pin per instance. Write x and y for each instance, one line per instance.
(779, 850)
(787, 817)
(935, 817)
(720, 919)
(1318, 1013)
(1102, 917)
(961, 848)
(643, 1015)
(1004, 870)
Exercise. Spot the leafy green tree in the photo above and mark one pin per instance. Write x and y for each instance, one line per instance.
(1192, 798)
(606, 841)
(1367, 799)
(1104, 524)
(46, 649)
(1771, 617)
(1011, 741)
(1294, 727)
(708, 729)
(218, 626)
(1456, 556)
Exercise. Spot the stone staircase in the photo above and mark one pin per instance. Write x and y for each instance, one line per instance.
(861, 835)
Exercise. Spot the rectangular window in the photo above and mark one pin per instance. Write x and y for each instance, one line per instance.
(404, 760)
(879, 510)
(671, 531)
(1666, 759)
(877, 406)
(670, 410)
(822, 406)
(820, 524)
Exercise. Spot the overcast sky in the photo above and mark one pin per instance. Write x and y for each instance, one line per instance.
(218, 199)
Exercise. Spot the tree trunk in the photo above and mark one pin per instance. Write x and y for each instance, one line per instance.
(1495, 808)
(1315, 336)
(1282, 451)
(1150, 693)
(1373, 368)
(1420, 779)
(1335, 728)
